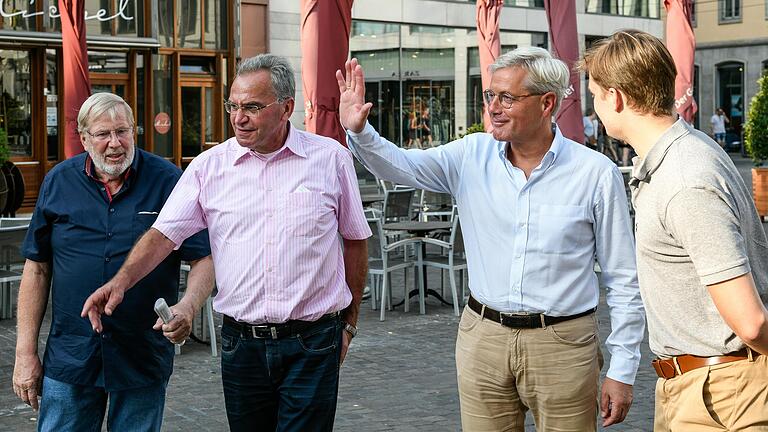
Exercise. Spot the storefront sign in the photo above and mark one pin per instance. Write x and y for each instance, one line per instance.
(53, 12)
(162, 123)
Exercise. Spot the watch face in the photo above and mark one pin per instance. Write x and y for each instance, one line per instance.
(352, 330)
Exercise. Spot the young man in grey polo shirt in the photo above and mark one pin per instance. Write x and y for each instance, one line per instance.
(702, 254)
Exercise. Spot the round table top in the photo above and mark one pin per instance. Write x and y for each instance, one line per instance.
(417, 226)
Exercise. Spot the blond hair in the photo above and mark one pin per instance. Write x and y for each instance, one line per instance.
(639, 65)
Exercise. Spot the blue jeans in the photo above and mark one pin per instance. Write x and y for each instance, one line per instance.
(68, 407)
(286, 384)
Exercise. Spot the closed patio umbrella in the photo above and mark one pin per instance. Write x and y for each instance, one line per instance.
(561, 16)
(682, 45)
(77, 85)
(325, 29)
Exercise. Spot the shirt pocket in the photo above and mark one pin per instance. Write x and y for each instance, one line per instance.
(562, 229)
(143, 222)
(302, 214)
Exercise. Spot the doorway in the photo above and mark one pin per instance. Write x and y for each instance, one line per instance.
(198, 128)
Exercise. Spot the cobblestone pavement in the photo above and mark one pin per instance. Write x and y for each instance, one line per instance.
(399, 376)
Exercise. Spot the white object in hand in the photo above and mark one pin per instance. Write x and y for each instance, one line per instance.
(163, 311)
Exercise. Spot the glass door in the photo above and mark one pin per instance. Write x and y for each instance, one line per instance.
(197, 119)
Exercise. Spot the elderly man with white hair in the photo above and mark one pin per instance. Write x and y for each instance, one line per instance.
(536, 209)
(91, 209)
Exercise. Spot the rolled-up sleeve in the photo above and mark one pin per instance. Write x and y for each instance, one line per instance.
(182, 216)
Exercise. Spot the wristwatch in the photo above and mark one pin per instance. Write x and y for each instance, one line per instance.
(352, 330)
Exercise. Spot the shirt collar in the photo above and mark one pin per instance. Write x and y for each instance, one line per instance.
(293, 143)
(549, 157)
(644, 168)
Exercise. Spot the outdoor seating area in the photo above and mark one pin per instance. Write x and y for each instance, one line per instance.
(413, 229)
(12, 232)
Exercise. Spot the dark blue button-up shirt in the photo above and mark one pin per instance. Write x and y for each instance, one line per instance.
(86, 234)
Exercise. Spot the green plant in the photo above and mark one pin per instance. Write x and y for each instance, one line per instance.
(756, 128)
(5, 152)
(473, 128)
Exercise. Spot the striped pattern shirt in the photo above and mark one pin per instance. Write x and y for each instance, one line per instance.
(274, 224)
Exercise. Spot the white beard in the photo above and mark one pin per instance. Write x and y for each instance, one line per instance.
(111, 169)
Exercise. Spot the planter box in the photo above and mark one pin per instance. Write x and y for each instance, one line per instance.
(760, 190)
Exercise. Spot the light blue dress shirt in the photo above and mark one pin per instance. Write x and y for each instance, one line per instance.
(531, 243)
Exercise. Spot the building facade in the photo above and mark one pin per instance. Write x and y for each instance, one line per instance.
(170, 59)
(421, 58)
(731, 54)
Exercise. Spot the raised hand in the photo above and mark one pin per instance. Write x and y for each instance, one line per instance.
(353, 110)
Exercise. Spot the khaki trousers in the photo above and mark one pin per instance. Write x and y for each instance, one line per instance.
(503, 372)
(725, 397)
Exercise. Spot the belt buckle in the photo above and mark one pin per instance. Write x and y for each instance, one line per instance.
(511, 315)
(272, 331)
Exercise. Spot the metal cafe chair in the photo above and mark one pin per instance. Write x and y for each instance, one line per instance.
(11, 264)
(451, 258)
(382, 260)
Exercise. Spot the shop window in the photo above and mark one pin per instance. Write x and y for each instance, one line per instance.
(201, 23)
(108, 18)
(730, 10)
(16, 101)
(637, 8)
(51, 92)
(165, 22)
(730, 96)
(13, 12)
(107, 62)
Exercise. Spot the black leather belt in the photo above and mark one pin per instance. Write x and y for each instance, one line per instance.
(531, 321)
(276, 331)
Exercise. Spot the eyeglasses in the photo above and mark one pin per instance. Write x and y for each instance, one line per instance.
(251, 110)
(505, 99)
(105, 135)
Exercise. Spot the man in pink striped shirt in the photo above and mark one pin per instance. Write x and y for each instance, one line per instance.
(275, 201)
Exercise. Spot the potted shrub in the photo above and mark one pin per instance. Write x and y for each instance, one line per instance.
(756, 144)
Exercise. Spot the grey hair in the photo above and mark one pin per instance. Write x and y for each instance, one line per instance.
(545, 73)
(99, 104)
(280, 72)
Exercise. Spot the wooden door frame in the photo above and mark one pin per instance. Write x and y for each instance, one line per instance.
(200, 82)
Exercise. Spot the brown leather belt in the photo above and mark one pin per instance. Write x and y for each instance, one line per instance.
(530, 321)
(672, 367)
(275, 331)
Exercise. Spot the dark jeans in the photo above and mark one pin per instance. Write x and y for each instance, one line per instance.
(287, 384)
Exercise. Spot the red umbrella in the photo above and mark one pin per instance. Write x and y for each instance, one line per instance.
(77, 85)
(682, 45)
(325, 29)
(561, 15)
(488, 42)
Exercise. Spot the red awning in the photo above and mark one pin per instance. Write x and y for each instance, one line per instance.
(325, 29)
(682, 45)
(77, 85)
(561, 16)
(488, 43)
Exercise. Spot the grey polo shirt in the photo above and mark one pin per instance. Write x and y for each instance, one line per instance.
(696, 225)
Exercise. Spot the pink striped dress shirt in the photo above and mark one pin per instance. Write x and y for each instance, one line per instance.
(274, 225)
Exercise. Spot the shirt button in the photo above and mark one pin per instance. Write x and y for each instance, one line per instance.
(269, 270)
(105, 336)
(111, 210)
(109, 234)
(107, 259)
